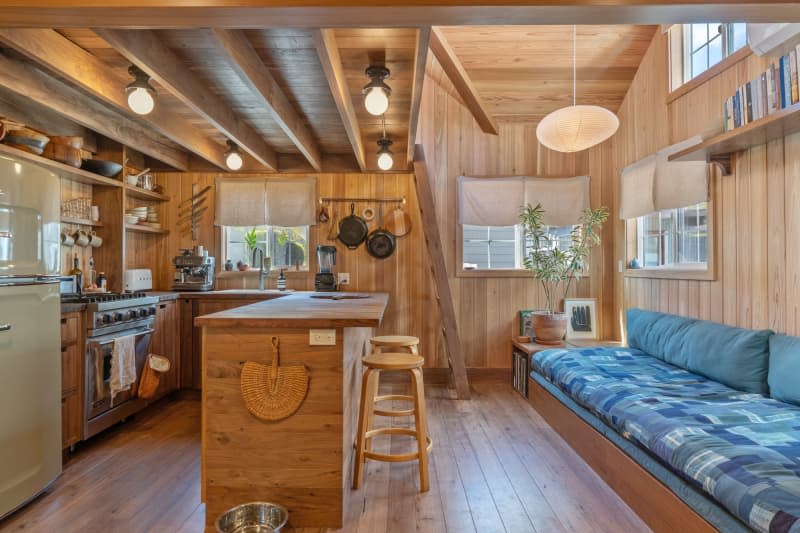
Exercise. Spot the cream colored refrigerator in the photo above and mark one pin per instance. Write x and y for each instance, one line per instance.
(30, 356)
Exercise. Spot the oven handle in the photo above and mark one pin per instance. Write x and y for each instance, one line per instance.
(109, 341)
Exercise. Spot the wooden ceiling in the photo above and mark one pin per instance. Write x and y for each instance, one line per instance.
(292, 98)
(525, 72)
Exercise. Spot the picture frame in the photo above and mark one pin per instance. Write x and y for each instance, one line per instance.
(582, 315)
(526, 323)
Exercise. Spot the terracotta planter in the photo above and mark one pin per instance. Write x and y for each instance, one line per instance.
(549, 328)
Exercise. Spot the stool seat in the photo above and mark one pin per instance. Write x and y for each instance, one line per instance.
(393, 361)
(394, 340)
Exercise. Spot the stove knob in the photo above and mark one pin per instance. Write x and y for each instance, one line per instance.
(118, 317)
(151, 310)
(133, 313)
(106, 318)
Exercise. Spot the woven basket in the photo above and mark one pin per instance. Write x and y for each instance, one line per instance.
(154, 368)
(273, 392)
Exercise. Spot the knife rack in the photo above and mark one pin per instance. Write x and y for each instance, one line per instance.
(192, 210)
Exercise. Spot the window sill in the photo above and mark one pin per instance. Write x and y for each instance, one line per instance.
(253, 272)
(685, 273)
(495, 273)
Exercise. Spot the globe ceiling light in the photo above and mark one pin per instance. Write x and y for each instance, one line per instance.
(233, 159)
(141, 95)
(385, 159)
(576, 127)
(376, 92)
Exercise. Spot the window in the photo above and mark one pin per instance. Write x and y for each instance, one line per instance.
(287, 247)
(674, 238)
(504, 247)
(705, 45)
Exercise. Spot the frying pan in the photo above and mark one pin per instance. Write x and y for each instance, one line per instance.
(352, 229)
(380, 242)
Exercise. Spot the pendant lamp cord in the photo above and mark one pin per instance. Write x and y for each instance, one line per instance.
(574, 61)
(383, 122)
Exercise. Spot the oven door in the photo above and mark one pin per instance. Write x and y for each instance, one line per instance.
(98, 370)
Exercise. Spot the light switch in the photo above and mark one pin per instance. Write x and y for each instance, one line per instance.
(322, 337)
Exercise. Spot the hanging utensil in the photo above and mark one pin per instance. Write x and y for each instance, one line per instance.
(323, 216)
(273, 392)
(195, 196)
(352, 229)
(380, 242)
(333, 232)
(398, 222)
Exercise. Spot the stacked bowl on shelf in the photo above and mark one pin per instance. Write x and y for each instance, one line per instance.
(143, 216)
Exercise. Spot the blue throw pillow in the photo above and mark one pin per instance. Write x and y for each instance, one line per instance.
(659, 334)
(784, 368)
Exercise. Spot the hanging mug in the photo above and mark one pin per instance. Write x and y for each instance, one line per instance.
(66, 239)
(81, 238)
(95, 240)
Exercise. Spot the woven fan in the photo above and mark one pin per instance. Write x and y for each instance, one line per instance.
(273, 392)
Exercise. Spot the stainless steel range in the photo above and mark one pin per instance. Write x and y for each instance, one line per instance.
(109, 317)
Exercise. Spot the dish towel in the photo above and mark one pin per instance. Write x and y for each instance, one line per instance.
(123, 365)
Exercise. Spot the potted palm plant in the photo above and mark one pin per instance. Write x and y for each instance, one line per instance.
(557, 269)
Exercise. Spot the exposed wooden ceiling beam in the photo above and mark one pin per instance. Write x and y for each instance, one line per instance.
(458, 76)
(247, 64)
(26, 80)
(328, 52)
(420, 59)
(148, 52)
(364, 14)
(73, 63)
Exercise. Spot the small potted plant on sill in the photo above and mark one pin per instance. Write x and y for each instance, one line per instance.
(556, 269)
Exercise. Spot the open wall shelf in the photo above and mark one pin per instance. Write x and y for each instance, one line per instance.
(81, 222)
(143, 194)
(146, 229)
(60, 169)
(720, 148)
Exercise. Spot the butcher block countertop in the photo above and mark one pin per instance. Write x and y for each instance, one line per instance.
(301, 310)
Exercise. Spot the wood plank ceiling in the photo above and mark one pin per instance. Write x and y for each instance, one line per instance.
(294, 96)
(525, 72)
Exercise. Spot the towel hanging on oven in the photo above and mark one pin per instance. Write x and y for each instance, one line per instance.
(273, 392)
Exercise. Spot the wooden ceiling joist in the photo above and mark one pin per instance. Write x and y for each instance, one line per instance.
(420, 59)
(328, 51)
(71, 62)
(28, 81)
(247, 64)
(461, 81)
(145, 50)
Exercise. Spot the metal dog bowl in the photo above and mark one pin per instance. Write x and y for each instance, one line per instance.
(253, 517)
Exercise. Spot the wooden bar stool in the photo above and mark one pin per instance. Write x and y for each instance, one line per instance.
(374, 364)
(394, 343)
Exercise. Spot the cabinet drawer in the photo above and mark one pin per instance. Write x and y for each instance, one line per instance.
(69, 328)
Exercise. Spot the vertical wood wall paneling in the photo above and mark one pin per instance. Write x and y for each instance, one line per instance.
(758, 272)
(486, 307)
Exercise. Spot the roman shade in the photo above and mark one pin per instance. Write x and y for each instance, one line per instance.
(498, 201)
(655, 183)
(259, 201)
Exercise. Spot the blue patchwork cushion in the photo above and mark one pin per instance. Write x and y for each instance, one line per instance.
(743, 449)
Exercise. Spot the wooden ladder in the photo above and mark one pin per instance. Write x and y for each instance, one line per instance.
(452, 340)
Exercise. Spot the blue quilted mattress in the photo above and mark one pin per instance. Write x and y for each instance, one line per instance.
(742, 449)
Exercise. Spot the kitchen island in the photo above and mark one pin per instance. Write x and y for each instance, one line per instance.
(305, 461)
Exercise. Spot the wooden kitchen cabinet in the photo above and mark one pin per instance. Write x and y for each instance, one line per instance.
(166, 342)
(72, 358)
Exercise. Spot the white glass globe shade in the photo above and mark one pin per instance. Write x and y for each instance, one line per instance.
(141, 101)
(576, 128)
(234, 161)
(385, 161)
(376, 101)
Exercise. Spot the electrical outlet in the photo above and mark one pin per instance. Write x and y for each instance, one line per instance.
(322, 337)
(620, 266)
(343, 278)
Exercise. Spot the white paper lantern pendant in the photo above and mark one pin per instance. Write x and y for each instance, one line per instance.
(576, 127)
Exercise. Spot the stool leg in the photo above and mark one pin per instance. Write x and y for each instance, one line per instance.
(373, 383)
(367, 404)
(421, 424)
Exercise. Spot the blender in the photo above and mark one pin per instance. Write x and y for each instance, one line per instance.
(325, 279)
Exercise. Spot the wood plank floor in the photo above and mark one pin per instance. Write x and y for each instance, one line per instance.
(495, 466)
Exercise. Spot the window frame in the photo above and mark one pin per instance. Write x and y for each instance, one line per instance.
(687, 271)
(309, 267)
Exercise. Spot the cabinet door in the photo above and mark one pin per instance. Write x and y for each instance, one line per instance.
(165, 342)
(72, 359)
(71, 420)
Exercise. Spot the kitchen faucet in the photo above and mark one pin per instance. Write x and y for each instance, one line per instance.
(261, 273)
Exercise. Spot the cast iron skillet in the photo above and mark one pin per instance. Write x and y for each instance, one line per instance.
(352, 229)
(380, 242)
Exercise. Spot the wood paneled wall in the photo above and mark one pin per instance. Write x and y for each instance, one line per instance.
(405, 275)
(757, 208)
(487, 307)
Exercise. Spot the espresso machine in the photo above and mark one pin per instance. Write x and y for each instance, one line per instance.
(194, 271)
(326, 260)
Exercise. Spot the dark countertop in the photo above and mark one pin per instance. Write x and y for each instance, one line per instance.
(164, 295)
(300, 310)
(72, 308)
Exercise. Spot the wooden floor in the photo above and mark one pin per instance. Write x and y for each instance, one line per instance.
(495, 466)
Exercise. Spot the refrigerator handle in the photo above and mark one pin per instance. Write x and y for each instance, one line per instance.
(5, 327)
